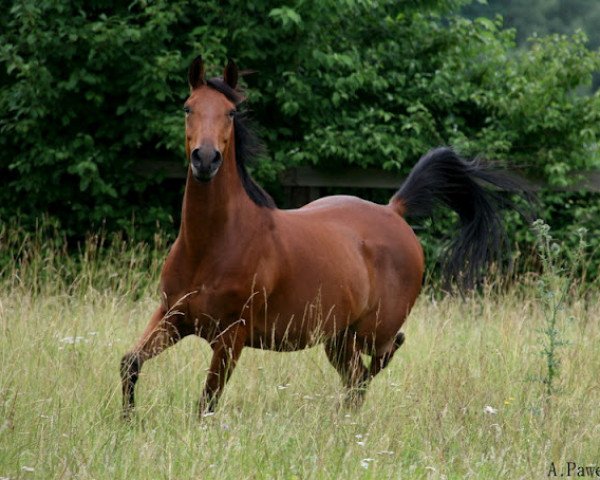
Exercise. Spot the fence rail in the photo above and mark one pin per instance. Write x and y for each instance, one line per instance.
(304, 183)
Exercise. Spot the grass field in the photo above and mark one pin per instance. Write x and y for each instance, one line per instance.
(463, 398)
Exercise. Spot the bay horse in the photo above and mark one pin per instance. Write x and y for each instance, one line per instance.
(341, 270)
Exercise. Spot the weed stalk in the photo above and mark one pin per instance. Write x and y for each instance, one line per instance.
(553, 287)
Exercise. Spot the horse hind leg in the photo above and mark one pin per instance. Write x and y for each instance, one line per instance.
(162, 332)
(379, 362)
(344, 354)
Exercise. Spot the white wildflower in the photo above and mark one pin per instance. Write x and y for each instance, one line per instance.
(385, 452)
(72, 340)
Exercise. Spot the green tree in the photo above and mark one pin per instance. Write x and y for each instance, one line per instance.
(91, 91)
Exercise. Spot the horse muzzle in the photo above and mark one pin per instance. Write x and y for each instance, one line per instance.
(205, 163)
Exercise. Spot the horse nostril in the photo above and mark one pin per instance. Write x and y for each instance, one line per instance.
(195, 155)
(217, 157)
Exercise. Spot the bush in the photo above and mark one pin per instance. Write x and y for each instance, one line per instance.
(92, 91)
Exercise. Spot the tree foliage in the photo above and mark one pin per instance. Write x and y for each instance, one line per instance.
(90, 91)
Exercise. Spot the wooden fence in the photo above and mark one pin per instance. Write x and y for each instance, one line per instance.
(304, 184)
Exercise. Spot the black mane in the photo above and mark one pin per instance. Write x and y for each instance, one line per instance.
(247, 145)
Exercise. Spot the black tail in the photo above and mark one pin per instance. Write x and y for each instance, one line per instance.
(441, 176)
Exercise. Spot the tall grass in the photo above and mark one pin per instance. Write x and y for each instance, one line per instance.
(457, 401)
(43, 263)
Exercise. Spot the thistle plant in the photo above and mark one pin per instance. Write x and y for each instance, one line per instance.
(553, 286)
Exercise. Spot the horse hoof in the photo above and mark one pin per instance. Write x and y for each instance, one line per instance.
(127, 415)
(354, 399)
(205, 410)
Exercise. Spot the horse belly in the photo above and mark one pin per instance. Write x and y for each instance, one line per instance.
(298, 315)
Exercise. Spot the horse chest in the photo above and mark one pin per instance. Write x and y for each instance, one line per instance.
(209, 296)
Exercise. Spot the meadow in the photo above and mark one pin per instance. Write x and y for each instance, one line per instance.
(471, 394)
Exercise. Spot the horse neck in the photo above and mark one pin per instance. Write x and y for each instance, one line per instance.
(218, 208)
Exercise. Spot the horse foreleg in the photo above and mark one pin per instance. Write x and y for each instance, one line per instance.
(162, 332)
(344, 355)
(227, 348)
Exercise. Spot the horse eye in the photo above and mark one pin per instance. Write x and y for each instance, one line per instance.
(232, 113)
(187, 109)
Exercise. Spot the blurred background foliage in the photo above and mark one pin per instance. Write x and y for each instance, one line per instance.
(91, 91)
(542, 17)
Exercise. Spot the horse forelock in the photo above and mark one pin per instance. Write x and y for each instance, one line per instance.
(233, 95)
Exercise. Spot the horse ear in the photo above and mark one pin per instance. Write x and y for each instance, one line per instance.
(230, 75)
(196, 73)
